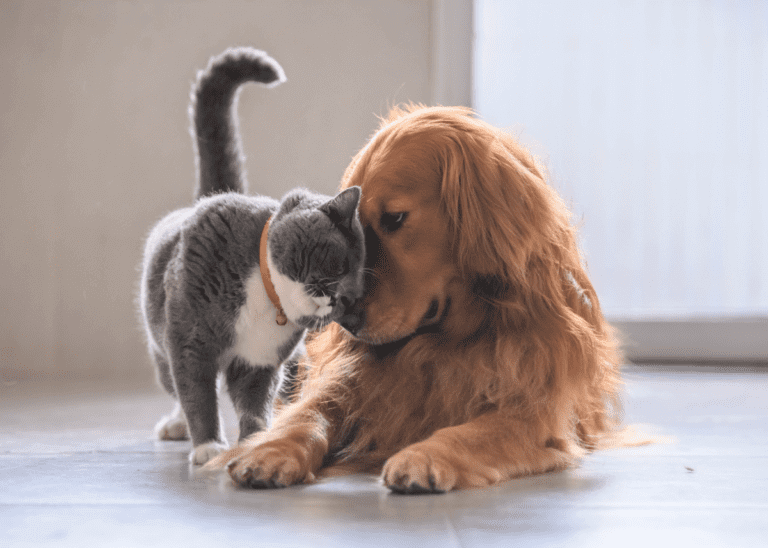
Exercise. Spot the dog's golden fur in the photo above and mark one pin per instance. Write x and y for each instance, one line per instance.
(483, 353)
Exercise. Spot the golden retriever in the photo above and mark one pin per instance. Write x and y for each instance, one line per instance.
(479, 352)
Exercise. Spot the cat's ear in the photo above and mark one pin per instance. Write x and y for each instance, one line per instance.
(341, 209)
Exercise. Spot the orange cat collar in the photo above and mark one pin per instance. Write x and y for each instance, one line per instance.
(281, 319)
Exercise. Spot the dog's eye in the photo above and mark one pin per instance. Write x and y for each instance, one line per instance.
(392, 221)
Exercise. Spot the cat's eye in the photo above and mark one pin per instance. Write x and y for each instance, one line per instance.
(392, 221)
(343, 270)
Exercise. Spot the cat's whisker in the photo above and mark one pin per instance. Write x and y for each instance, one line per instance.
(370, 272)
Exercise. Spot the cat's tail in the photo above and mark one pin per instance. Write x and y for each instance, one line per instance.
(213, 115)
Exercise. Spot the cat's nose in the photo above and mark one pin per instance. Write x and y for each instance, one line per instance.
(352, 318)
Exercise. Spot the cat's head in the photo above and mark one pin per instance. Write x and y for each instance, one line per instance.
(317, 255)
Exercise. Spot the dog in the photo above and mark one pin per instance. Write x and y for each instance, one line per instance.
(479, 352)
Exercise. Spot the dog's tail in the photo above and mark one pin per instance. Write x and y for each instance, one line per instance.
(213, 114)
(633, 435)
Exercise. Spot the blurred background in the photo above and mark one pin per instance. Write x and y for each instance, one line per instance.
(651, 116)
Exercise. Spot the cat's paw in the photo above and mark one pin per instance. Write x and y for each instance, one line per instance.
(172, 427)
(206, 451)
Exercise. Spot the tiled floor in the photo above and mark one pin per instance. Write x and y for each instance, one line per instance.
(78, 468)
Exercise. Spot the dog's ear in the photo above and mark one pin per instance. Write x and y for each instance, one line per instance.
(503, 213)
(512, 231)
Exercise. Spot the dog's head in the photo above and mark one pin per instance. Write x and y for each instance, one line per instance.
(457, 215)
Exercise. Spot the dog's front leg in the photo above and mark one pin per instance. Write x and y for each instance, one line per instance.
(290, 452)
(481, 452)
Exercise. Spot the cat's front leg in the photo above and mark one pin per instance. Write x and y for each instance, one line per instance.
(253, 390)
(206, 451)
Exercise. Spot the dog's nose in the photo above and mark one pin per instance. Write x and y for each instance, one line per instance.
(352, 319)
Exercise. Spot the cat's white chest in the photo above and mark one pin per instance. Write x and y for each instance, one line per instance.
(257, 335)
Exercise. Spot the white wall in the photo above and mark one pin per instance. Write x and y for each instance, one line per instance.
(653, 118)
(94, 145)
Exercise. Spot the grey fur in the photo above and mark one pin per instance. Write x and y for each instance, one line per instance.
(198, 262)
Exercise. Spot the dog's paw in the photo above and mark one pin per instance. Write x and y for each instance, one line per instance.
(172, 427)
(413, 471)
(271, 465)
(206, 451)
(431, 467)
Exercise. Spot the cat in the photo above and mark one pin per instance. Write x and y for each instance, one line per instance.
(231, 285)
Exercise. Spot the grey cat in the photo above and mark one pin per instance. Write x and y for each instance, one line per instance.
(217, 298)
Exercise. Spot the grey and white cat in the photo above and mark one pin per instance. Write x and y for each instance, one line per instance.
(204, 302)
